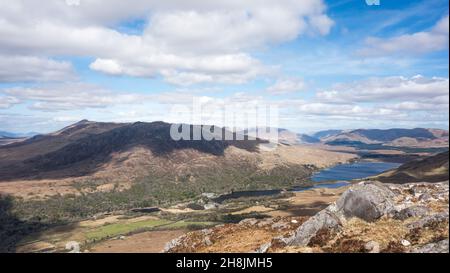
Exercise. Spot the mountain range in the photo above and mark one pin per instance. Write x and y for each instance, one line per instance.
(420, 137)
(417, 137)
(85, 147)
(92, 156)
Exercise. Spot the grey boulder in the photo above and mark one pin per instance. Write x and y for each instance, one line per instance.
(366, 201)
(427, 221)
(322, 220)
(414, 211)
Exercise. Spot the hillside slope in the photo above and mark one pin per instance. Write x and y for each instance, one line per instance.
(430, 169)
(43, 144)
(80, 149)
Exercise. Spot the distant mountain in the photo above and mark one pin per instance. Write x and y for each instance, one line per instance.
(307, 139)
(285, 136)
(392, 134)
(326, 133)
(430, 169)
(418, 137)
(7, 138)
(4, 134)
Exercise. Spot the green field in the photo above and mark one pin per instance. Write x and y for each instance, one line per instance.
(114, 230)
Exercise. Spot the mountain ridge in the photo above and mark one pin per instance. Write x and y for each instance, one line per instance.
(76, 146)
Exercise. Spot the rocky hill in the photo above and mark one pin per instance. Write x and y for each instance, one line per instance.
(368, 217)
(44, 144)
(78, 149)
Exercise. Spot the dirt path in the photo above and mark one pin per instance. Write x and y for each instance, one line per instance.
(146, 242)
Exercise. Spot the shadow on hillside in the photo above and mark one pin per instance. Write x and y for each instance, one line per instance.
(429, 169)
(12, 229)
(307, 210)
(86, 155)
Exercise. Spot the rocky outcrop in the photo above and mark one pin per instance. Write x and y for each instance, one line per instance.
(323, 220)
(372, 202)
(429, 221)
(367, 201)
(414, 211)
(438, 247)
(368, 217)
(249, 235)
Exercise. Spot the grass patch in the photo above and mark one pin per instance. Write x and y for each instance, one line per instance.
(117, 229)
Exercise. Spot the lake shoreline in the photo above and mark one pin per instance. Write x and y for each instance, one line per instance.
(315, 183)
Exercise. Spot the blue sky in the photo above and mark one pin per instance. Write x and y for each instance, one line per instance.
(324, 64)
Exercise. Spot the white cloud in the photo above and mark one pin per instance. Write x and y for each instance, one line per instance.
(107, 66)
(26, 69)
(7, 101)
(410, 44)
(284, 86)
(387, 89)
(323, 110)
(187, 41)
(321, 23)
(420, 106)
(71, 96)
(224, 31)
(230, 68)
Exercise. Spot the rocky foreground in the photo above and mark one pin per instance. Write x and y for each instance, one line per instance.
(368, 217)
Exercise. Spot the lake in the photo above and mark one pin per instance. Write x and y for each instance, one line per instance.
(354, 170)
(331, 178)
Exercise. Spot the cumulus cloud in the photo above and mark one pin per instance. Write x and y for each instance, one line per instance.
(230, 68)
(284, 86)
(410, 44)
(28, 69)
(70, 96)
(421, 106)
(387, 89)
(187, 41)
(326, 110)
